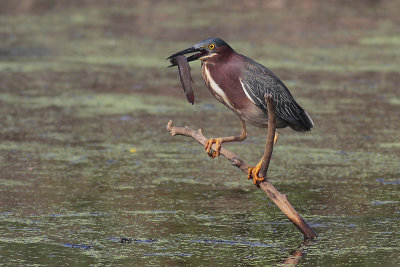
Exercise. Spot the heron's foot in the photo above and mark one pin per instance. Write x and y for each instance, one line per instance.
(276, 137)
(252, 172)
(211, 152)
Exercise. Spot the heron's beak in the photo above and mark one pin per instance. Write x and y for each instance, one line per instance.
(187, 51)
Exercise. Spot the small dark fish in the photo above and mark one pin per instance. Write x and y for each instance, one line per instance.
(184, 74)
(125, 240)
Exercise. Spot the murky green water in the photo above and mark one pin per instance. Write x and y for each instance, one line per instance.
(85, 158)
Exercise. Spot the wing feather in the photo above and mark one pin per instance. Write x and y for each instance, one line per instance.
(258, 81)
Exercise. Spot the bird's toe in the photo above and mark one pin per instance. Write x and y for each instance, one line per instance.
(213, 153)
(252, 172)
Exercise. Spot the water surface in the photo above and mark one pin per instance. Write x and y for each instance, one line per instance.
(90, 176)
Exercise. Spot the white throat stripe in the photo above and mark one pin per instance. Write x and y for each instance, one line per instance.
(218, 91)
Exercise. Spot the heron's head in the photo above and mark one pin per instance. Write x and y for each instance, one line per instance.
(205, 49)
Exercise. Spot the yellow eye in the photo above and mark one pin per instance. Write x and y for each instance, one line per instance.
(211, 46)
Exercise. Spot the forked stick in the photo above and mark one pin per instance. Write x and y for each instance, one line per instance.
(279, 199)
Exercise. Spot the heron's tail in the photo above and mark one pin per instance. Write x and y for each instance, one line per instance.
(306, 121)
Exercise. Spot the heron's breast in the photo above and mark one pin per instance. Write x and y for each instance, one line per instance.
(215, 88)
(227, 88)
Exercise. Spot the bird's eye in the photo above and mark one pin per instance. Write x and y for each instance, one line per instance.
(211, 46)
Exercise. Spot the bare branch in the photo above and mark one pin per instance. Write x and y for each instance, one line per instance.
(279, 199)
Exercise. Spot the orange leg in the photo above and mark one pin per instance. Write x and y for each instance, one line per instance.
(218, 141)
(276, 137)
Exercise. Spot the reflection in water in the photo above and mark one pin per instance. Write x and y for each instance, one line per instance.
(297, 255)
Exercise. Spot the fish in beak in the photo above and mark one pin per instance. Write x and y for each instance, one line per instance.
(184, 75)
(199, 53)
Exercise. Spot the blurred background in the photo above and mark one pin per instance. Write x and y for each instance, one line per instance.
(85, 159)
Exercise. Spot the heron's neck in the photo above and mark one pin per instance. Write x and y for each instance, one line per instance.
(219, 58)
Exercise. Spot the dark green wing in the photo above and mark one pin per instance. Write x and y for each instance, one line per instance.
(257, 80)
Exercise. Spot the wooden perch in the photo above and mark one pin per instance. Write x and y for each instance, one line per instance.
(279, 199)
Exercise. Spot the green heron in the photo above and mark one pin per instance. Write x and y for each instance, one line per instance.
(241, 84)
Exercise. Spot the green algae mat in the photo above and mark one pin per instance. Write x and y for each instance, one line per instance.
(89, 174)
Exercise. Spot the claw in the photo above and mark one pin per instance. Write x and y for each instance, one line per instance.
(252, 172)
(209, 143)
